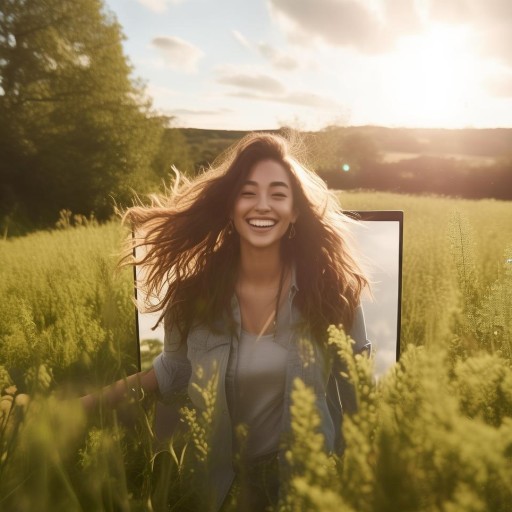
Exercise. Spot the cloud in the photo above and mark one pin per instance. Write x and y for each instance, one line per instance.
(368, 27)
(192, 112)
(490, 22)
(278, 58)
(241, 39)
(158, 6)
(178, 53)
(401, 17)
(375, 27)
(300, 98)
(496, 41)
(308, 99)
(500, 85)
(259, 82)
(464, 11)
(265, 88)
(338, 23)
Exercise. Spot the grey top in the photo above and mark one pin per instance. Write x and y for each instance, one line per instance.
(259, 392)
(206, 360)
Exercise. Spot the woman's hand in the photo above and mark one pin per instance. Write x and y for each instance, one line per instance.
(134, 388)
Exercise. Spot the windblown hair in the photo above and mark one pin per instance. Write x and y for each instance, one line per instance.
(191, 254)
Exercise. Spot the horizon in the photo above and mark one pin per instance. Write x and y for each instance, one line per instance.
(347, 126)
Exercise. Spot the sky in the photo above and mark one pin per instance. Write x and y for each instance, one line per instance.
(308, 64)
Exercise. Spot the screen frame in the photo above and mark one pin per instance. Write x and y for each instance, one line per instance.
(389, 216)
(361, 215)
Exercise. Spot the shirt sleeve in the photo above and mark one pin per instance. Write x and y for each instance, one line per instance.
(358, 333)
(172, 367)
(344, 388)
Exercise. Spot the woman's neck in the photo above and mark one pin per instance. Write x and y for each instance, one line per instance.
(260, 267)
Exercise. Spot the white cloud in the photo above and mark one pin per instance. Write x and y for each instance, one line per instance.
(158, 6)
(308, 99)
(265, 88)
(490, 22)
(258, 82)
(402, 16)
(367, 26)
(474, 11)
(338, 23)
(299, 98)
(178, 53)
(500, 85)
(278, 58)
(379, 26)
(194, 112)
(241, 39)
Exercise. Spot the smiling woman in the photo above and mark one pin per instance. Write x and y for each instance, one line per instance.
(254, 258)
(264, 211)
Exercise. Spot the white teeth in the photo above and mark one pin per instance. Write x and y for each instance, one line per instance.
(262, 223)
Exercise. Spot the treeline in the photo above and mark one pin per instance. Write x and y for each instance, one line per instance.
(429, 175)
(77, 132)
(470, 163)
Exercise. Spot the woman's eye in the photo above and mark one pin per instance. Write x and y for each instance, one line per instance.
(280, 196)
(247, 193)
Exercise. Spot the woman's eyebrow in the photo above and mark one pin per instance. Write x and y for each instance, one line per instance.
(272, 184)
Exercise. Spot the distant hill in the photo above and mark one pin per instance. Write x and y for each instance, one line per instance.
(494, 142)
(206, 145)
(484, 144)
(473, 163)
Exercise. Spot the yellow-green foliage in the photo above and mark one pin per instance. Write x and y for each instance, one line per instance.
(434, 434)
(430, 454)
(426, 437)
(198, 423)
(434, 301)
(312, 482)
(358, 429)
(63, 306)
(53, 463)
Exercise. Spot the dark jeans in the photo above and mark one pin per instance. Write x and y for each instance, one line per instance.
(256, 486)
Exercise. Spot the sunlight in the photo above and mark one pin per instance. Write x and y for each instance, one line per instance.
(434, 77)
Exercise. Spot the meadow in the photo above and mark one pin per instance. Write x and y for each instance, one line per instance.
(434, 434)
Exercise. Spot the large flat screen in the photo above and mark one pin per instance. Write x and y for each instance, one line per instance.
(377, 239)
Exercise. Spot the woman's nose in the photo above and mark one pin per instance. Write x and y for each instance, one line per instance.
(262, 205)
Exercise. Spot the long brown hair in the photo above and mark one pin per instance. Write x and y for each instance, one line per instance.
(192, 253)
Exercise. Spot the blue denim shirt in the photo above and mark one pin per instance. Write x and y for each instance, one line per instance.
(205, 358)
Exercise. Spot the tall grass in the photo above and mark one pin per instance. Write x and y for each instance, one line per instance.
(434, 434)
(63, 306)
(438, 234)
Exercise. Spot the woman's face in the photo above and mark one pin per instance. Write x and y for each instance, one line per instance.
(264, 207)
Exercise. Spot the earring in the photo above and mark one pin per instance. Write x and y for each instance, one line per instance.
(230, 227)
(292, 233)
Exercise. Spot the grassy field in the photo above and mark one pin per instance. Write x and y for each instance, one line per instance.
(434, 435)
(455, 255)
(470, 160)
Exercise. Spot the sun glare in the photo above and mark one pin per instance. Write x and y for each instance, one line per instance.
(433, 78)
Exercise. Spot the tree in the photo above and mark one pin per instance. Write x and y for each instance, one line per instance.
(76, 130)
(334, 147)
(173, 151)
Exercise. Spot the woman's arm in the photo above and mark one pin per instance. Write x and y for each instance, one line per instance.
(169, 374)
(137, 385)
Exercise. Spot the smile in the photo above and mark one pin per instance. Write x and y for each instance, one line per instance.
(262, 223)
